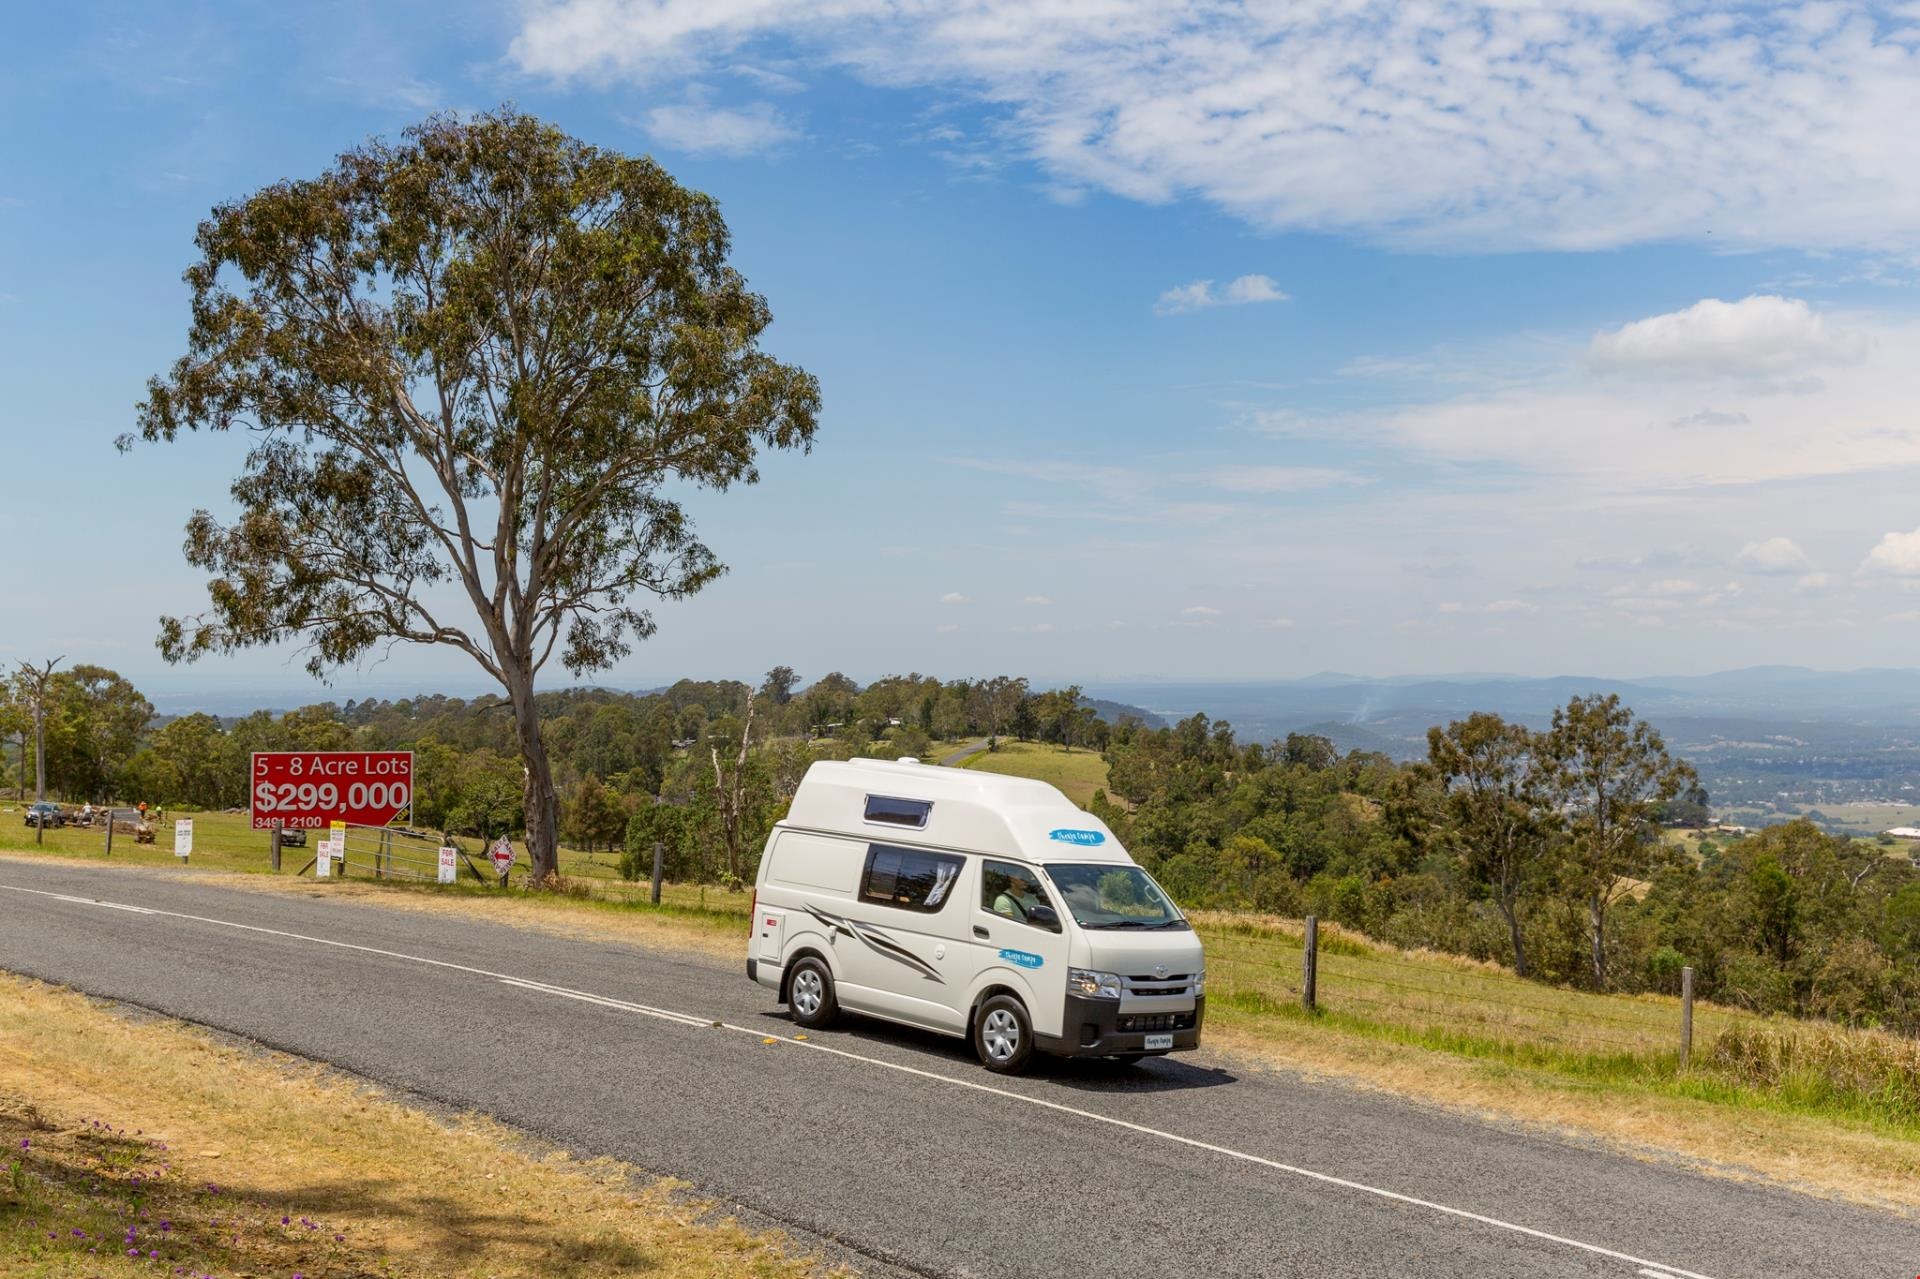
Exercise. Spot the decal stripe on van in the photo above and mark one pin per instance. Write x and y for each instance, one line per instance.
(876, 941)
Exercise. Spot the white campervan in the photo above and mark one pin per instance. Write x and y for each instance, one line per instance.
(976, 905)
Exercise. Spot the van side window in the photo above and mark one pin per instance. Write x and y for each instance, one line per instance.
(899, 812)
(1015, 892)
(909, 878)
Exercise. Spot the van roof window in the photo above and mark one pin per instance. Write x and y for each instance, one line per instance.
(898, 812)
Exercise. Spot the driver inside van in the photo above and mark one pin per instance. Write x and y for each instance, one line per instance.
(1017, 899)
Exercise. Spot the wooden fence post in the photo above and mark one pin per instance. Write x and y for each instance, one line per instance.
(659, 855)
(1310, 964)
(109, 832)
(1686, 1016)
(273, 845)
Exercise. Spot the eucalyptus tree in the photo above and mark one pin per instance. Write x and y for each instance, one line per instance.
(479, 367)
(1611, 773)
(1500, 823)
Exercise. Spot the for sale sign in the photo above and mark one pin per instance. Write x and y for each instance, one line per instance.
(308, 790)
(449, 869)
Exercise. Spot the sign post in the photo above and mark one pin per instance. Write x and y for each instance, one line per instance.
(449, 866)
(182, 837)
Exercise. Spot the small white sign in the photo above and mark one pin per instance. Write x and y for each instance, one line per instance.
(323, 860)
(182, 836)
(448, 866)
(502, 855)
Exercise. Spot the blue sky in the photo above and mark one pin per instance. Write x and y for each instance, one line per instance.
(1157, 339)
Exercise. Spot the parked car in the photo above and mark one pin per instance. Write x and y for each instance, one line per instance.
(45, 814)
(291, 838)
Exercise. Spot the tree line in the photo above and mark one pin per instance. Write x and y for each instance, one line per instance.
(1552, 851)
(611, 753)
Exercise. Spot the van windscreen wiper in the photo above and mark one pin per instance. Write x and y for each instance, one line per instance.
(1118, 923)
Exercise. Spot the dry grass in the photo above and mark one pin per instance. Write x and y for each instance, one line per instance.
(1805, 1153)
(135, 1124)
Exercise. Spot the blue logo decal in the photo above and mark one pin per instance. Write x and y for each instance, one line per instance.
(1022, 958)
(1087, 838)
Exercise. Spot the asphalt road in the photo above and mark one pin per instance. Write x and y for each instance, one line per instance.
(896, 1144)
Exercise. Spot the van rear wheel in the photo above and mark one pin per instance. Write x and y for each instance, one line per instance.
(1003, 1035)
(810, 994)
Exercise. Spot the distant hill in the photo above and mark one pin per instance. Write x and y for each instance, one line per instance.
(1406, 706)
(1114, 712)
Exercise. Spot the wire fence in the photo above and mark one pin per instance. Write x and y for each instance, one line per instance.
(1448, 998)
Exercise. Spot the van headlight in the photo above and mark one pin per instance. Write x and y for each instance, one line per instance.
(1092, 985)
(1200, 982)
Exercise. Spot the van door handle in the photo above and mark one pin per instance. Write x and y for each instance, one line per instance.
(979, 931)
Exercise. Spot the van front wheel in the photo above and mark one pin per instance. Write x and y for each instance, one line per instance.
(810, 994)
(1002, 1035)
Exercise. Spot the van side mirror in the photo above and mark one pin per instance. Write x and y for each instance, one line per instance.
(1045, 916)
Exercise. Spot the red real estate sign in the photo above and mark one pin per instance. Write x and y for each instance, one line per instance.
(304, 790)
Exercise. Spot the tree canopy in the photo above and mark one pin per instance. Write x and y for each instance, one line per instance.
(478, 365)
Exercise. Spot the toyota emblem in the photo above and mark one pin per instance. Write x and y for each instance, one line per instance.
(1159, 970)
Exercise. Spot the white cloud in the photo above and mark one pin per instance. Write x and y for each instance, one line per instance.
(1760, 336)
(1617, 434)
(1275, 623)
(1672, 586)
(1579, 125)
(1775, 555)
(1897, 555)
(705, 130)
(1200, 295)
(1283, 479)
(1199, 610)
(954, 597)
(1494, 608)
(946, 628)
(1037, 599)
(1813, 584)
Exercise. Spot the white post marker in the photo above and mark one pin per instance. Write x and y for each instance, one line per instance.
(323, 859)
(449, 868)
(182, 836)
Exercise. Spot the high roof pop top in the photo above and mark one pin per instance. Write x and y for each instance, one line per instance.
(910, 803)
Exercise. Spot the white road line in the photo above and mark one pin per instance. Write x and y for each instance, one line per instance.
(1647, 1269)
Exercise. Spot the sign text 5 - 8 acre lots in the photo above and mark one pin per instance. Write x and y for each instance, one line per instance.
(304, 790)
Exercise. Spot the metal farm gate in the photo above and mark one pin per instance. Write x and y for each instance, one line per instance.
(394, 852)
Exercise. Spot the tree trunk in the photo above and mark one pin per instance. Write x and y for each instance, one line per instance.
(40, 750)
(543, 805)
(1511, 911)
(1597, 921)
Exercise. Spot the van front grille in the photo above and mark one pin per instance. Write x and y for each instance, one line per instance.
(1154, 1021)
(1146, 986)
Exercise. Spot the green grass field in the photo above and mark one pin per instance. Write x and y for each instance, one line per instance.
(1077, 773)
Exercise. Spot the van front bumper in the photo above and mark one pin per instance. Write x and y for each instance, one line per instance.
(1100, 1028)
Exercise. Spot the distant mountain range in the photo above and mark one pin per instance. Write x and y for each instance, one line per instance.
(1399, 709)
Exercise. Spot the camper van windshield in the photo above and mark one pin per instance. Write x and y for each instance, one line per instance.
(1114, 897)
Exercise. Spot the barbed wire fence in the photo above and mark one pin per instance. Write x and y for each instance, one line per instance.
(1447, 998)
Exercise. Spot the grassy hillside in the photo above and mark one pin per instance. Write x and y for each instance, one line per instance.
(1078, 773)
